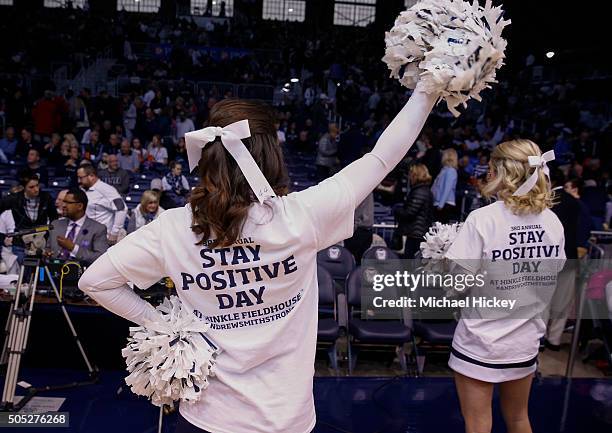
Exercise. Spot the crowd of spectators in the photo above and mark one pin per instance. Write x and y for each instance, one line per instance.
(334, 110)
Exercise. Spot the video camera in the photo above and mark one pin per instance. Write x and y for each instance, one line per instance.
(33, 239)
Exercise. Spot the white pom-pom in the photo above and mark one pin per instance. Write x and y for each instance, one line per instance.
(170, 359)
(438, 240)
(453, 47)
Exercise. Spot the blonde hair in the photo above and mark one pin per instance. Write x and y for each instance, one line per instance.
(147, 197)
(449, 158)
(419, 174)
(511, 166)
(71, 139)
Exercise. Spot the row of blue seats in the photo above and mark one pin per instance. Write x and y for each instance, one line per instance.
(343, 286)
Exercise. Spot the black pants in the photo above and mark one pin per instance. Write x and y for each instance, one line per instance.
(413, 245)
(446, 214)
(184, 426)
(323, 172)
(359, 242)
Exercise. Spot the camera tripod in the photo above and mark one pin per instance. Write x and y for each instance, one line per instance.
(17, 329)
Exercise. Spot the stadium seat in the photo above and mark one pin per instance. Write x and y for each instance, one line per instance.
(379, 253)
(337, 260)
(385, 330)
(328, 326)
(435, 334)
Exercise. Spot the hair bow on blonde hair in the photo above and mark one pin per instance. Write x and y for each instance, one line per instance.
(231, 138)
(539, 162)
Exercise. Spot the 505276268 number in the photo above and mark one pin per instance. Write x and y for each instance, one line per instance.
(55, 419)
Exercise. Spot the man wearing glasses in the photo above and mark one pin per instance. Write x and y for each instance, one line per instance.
(105, 204)
(77, 237)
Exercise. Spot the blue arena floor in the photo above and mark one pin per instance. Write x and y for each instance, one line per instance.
(345, 404)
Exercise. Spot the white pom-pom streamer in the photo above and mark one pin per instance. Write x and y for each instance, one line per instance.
(438, 240)
(170, 359)
(453, 47)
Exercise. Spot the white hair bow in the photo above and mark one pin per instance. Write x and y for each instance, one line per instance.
(231, 137)
(539, 162)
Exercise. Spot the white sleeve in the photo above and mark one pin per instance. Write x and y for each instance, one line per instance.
(331, 208)
(331, 204)
(367, 172)
(468, 246)
(7, 223)
(165, 185)
(119, 208)
(185, 183)
(107, 286)
(139, 256)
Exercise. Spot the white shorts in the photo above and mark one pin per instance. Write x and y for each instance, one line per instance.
(488, 372)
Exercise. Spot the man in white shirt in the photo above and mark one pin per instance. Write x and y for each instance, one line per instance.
(183, 125)
(105, 204)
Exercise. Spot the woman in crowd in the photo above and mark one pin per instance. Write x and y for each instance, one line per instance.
(444, 188)
(497, 345)
(64, 153)
(139, 150)
(157, 153)
(71, 139)
(147, 210)
(242, 221)
(416, 215)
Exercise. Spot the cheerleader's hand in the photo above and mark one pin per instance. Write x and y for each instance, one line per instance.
(453, 47)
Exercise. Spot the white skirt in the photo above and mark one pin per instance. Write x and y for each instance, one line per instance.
(488, 372)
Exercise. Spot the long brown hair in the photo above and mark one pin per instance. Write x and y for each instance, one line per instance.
(221, 202)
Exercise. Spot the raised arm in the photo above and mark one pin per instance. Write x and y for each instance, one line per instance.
(367, 172)
(331, 204)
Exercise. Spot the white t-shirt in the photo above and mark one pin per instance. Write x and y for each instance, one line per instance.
(265, 318)
(249, 292)
(105, 205)
(7, 225)
(520, 257)
(184, 127)
(159, 154)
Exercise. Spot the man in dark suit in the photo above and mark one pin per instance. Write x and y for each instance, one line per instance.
(76, 236)
(567, 209)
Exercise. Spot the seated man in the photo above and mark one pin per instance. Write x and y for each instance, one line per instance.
(30, 208)
(36, 166)
(76, 236)
(115, 175)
